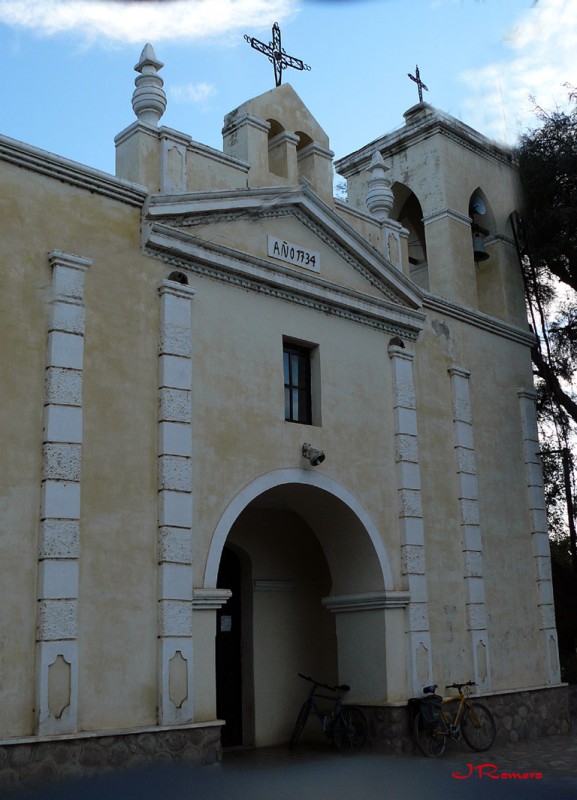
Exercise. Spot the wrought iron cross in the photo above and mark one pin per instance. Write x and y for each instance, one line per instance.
(276, 54)
(419, 82)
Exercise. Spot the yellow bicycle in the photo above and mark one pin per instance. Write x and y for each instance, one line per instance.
(437, 719)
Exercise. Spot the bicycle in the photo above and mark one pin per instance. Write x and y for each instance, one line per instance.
(345, 726)
(432, 725)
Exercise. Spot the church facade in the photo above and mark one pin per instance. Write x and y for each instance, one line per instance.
(252, 430)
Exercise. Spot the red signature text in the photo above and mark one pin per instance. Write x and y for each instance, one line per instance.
(493, 772)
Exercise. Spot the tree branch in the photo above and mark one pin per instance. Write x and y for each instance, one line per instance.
(547, 373)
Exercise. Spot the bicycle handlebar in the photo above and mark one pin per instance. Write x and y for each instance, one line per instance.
(343, 688)
(459, 686)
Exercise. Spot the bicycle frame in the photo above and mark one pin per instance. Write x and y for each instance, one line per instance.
(336, 699)
(345, 726)
(455, 723)
(451, 724)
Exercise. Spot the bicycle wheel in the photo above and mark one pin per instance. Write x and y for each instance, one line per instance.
(431, 741)
(349, 730)
(300, 723)
(478, 727)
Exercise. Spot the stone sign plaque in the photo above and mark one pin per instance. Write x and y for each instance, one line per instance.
(294, 254)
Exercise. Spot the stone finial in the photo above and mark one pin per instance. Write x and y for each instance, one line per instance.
(149, 98)
(380, 198)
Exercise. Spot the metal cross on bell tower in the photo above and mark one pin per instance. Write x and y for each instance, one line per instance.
(417, 79)
(276, 54)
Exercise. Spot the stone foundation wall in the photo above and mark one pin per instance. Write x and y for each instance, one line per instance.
(518, 716)
(32, 763)
(389, 730)
(573, 701)
(529, 715)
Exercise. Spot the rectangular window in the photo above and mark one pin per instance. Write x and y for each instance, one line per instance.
(297, 383)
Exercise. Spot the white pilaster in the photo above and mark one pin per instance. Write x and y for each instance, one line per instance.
(175, 592)
(539, 534)
(411, 518)
(57, 646)
(471, 539)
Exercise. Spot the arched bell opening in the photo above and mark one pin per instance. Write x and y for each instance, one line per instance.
(482, 224)
(407, 210)
(277, 151)
(487, 247)
(305, 156)
(304, 140)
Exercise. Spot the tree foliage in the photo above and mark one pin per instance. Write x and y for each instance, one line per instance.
(547, 238)
(548, 169)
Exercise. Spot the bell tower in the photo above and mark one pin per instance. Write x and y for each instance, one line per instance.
(454, 192)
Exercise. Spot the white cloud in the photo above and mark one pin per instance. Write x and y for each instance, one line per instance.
(133, 22)
(542, 50)
(192, 92)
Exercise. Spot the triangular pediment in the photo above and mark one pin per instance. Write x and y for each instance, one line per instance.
(288, 241)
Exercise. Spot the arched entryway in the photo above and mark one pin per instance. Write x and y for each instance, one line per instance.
(308, 567)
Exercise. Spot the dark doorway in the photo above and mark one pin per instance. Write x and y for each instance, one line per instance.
(229, 651)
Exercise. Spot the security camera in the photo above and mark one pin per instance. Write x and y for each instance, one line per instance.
(314, 456)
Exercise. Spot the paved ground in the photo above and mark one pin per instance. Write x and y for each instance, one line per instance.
(317, 773)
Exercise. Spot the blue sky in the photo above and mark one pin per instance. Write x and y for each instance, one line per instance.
(68, 64)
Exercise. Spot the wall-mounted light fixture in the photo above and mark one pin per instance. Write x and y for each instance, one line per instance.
(314, 456)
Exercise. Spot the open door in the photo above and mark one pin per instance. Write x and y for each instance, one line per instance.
(229, 700)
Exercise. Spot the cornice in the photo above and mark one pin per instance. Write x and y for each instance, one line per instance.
(315, 149)
(58, 258)
(190, 253)
(232, 123)
(62, 169)
(451, 214)
(500, 238)
(418, 130)
(345, 254)
(210, 599)
(176, 289)
(478, 319)
(527, 394)
(369, 601)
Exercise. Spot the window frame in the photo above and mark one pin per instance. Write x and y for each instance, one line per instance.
(301, 384)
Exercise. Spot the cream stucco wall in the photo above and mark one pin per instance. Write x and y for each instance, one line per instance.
(23, 320)
(242, 432)
(498, 368)
(117, 614)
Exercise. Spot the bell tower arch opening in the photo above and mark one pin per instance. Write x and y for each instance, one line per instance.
(488, 257)
(482, 224)
(407, 210)
(277, 150)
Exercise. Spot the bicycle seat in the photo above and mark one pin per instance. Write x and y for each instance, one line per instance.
(430, 689)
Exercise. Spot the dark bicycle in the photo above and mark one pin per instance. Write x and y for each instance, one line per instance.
(346, 726)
